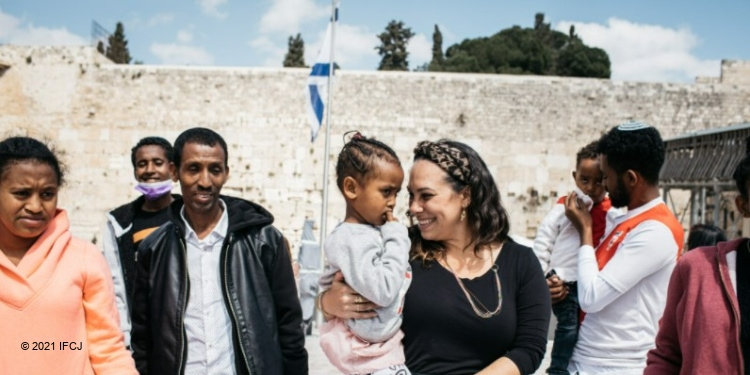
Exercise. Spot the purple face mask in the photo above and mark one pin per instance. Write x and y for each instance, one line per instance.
(154, 190)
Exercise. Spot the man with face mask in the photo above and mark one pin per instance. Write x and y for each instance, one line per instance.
(130, 223)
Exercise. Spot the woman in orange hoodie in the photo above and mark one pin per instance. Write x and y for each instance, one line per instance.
(57, 306)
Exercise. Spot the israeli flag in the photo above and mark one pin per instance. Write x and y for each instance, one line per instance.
(317, 83)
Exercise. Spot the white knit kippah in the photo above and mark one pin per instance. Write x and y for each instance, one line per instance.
(632, 125)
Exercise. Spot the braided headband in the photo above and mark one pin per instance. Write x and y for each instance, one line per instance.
(449, 159)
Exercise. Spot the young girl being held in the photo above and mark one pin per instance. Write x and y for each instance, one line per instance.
(371, 249)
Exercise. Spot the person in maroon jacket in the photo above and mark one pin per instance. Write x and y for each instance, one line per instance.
(705, 328)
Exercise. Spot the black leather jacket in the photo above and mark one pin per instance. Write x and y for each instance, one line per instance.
(258, 288)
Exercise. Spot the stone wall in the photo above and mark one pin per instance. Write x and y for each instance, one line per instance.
(735, 72)
(527, 129)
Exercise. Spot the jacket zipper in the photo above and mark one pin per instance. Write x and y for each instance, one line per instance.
(184, 305)
(734, 309)
(231, 306)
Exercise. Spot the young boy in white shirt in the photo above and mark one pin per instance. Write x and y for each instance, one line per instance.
(557, 243)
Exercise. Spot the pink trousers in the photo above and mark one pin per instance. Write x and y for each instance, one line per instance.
(352, 355)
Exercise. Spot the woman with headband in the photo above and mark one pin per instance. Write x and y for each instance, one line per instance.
(478, 302)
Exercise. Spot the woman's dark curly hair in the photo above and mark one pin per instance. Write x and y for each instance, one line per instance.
(640, 150)
(464, 168)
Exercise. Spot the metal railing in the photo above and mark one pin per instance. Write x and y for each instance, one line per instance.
(705, 158)
(703, 164)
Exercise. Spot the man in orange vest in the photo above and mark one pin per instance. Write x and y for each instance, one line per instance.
(622, 284)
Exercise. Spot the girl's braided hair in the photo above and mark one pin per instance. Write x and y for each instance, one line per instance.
(358, 157)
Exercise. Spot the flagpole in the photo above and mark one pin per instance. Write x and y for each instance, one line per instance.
(324, 210)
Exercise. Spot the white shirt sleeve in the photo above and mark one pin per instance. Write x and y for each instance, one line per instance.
(546, 235)
(646, 249)
(111, 255)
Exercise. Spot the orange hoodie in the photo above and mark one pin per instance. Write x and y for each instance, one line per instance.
(57, 309)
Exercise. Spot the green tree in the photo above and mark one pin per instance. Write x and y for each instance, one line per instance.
(100, 48)
(295, 55)
(437, 51)
(394, 41)
(538, 50)
(461, 62)
(578, 60)
(117, 50)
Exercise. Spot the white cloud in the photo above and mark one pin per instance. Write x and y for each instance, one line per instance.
(211, 7)
(160, 19)
(178, 54)
(420, 50)
(641, 52)
(274, 54)
(8, 25)
(355, 48)
(184, 36)
(286, 16)
(355, 45)
(263, 43)
(15, 31)
(182, 52)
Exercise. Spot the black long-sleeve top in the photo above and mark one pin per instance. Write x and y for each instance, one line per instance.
(443, 335)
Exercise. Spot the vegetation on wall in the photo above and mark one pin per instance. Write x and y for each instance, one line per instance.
(295, 54)
(516, 50)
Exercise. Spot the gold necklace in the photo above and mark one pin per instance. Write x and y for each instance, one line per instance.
(471, 297)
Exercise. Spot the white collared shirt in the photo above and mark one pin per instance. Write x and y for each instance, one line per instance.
(207, 323)
(625, 300)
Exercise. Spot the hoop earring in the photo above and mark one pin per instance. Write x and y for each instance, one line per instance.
(463, 215)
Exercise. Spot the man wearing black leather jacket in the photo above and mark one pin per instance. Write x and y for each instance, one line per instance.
(214, 290)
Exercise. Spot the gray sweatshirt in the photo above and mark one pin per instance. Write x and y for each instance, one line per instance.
(375, 263)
